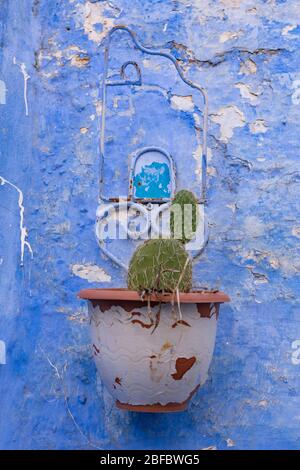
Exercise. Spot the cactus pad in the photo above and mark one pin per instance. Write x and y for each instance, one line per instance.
(160, 265)
(184, 225)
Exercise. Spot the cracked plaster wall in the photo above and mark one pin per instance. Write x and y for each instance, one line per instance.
(246, 53)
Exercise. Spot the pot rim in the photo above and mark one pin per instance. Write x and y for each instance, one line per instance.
(197, 297)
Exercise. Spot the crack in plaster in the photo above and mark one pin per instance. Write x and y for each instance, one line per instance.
(247, 93)
(219, 57)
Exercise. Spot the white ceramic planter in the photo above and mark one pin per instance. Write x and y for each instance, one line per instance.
(152, 361)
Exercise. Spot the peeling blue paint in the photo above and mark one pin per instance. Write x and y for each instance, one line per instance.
(153, 181)
(51, 397)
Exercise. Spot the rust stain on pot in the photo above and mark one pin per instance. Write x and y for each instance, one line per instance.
(180, 322)
(182, 365)
(143, 325)
(208, 310)
(157, 320)
(166, 346)
(118, 381)
(137, 314)
(157, 407)
(127, 305)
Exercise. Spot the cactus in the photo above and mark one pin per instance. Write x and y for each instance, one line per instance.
(183, 224)
(160, 265)
(163, 265)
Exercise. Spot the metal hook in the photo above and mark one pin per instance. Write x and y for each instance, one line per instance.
(137, 69)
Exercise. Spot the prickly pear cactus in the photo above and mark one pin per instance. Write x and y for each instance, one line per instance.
(184, 216)
(160, 265)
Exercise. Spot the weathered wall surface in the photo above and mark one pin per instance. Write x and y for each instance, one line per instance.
(246, 53)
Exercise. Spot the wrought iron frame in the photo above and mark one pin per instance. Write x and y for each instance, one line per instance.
(137, 203)
(106, 82)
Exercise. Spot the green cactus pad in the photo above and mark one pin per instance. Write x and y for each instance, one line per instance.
(158, 266)
(183, 227)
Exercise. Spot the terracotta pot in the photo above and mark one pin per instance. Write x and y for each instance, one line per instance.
(151, 359)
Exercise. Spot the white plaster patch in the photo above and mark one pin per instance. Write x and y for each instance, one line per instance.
(228, 118)
(229, 36)
(296, 232)
(76, 56)
(2, 353)
(289, 264)
(296, 352)
(2, 92)
(285, 31)
(197, 154)
(23, 229)
(253, 226)
(98, 107)
(182, 103)
(26, 77)
(232, 207)
(248, 67)
(232, 3)
(91, 272)
(211, 171)
(263, 403)
(247, 93)
(230, 442)
(98, 19)
(149, 64)
(258, 127)
(245, 13)
(296, 93)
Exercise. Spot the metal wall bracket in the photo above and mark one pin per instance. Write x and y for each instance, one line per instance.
(145, 161)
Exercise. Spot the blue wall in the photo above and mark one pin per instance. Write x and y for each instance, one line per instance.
(246, 53)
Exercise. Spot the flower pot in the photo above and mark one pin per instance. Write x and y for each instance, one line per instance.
(151, 356)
